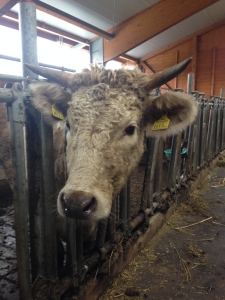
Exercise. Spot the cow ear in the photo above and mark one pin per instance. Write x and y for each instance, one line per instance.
(169, 113)
(50, 99)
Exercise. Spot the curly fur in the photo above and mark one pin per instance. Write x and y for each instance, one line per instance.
(102, 104)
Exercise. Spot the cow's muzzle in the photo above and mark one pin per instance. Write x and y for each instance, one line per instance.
(78, 205)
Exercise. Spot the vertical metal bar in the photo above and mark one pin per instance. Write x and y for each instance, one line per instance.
(148, 186)
(21, 206)
(159, 170)
(221, 92)
(20, 193)
(48, 193)
(71, 245)
(191, 83)
(209, 134)
(102, 226)
(173, 165)
(123, 208)
(151, 188)
(223, 129)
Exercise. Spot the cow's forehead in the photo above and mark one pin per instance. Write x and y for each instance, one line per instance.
(102, 103)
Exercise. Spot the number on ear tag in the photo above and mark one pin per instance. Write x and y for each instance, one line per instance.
(162, 123)
(57, 113)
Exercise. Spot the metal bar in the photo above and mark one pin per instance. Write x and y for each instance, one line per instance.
(71, 251)
(144, 196)
(123, 208)
(209, 134)
(159, 170)
(14, 78)
(102, 226)
(49, 194)
(151, 187)
(20, 192)
(191, 83)
(7, 95)
(172, 164)
(6, 57)
(27, 26)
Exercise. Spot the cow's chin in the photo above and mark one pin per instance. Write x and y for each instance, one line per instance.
(80, 205)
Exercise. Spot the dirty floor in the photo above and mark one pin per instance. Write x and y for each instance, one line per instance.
(186, 259)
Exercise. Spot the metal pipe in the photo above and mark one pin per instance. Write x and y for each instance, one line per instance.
(191, 83)
(7, 95)
(48, 195)
(27, 27)
(151, 187)
(6, 57)
(173, 162)
(123, 208)
(20, 192)
(102, 226)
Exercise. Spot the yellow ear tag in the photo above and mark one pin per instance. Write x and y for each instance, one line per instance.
(162, 123)
(57, 113)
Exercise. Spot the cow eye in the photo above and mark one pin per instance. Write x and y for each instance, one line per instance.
(130, 130)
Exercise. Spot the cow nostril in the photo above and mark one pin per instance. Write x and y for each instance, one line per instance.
(78, 205)
(91, 205)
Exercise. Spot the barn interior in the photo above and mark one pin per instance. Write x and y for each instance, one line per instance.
(152, 35)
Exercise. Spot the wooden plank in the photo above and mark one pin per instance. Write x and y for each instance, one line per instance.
(71, 19)
(196, 34)
(150, 22)
(6, 5)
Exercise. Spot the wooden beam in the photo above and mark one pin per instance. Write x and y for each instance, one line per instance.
(52, 29)
(71, 19)
(6, 5)
(150, 22)
(213, 71)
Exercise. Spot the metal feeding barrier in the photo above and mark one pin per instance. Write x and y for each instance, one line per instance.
(44, 261)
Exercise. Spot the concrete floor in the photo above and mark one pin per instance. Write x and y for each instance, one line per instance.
(186, 258)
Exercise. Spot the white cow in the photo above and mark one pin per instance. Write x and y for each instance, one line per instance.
(107, 113)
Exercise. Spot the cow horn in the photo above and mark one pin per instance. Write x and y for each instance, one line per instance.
(59, 77)
(160, 78)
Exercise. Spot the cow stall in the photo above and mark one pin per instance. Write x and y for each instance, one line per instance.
(55, 265)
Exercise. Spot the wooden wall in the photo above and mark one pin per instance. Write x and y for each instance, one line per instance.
(208, 51)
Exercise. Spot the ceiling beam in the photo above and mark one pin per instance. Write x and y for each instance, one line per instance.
(48, 28)
(6, 5)
(71, 19)
(42, 33)
(150, 22)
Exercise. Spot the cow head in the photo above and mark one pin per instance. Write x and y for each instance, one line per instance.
(107, 113)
